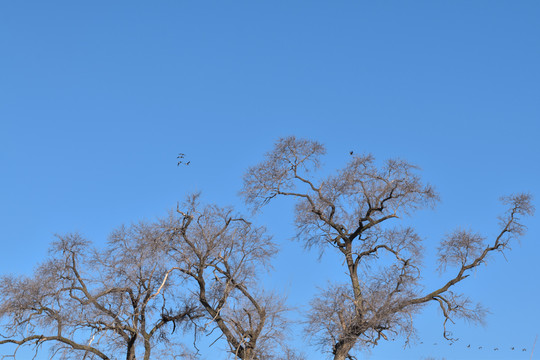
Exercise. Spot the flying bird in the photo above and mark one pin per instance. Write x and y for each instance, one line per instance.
(351, 152)
(180, 158)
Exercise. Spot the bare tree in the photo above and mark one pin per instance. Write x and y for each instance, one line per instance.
(223, 254)
(90, 304)
(196, 269)
(351, 212)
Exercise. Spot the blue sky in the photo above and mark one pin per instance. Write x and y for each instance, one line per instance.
(97, 99)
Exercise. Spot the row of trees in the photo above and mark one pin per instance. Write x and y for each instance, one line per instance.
(195, 271)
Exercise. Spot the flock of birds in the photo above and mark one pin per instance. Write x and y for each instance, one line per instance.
(513, 348)
(181, 160)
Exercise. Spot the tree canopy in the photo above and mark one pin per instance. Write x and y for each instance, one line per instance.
(197, 270)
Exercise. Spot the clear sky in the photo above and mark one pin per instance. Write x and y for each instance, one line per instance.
(97, 98)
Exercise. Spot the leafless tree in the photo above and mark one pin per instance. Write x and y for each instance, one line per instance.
(90, 304)
(351, 212)
(223, 254)
(196, 269)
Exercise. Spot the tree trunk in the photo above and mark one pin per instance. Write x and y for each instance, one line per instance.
(341, 350)
(131, 348)
(147, 348)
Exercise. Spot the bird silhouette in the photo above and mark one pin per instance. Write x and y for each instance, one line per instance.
(512, 348)
(351, 152)
(523, 349)
(180, 158)
(479, 347)
(496, 349)
(469, 345)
